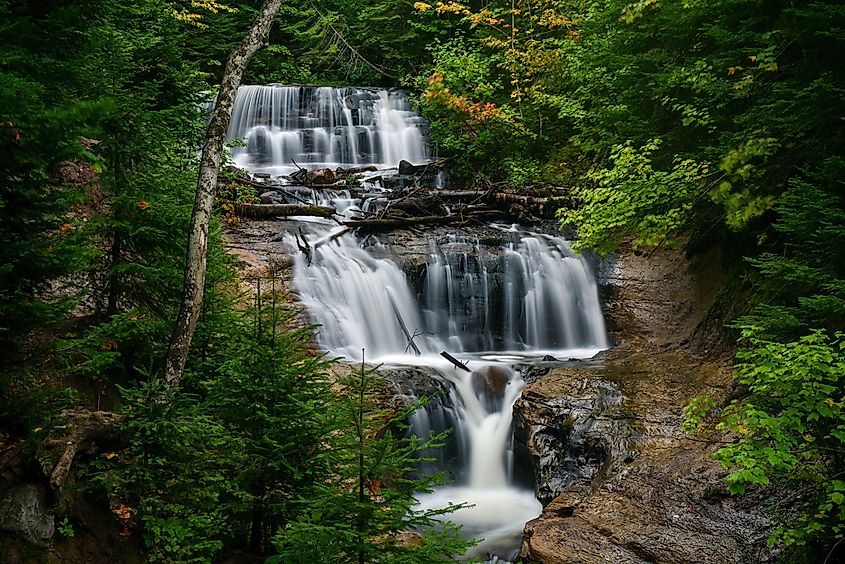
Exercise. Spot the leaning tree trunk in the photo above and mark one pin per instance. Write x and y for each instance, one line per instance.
(183, 331)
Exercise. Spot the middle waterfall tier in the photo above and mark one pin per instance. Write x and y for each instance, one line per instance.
(317, 127)
(527, 293)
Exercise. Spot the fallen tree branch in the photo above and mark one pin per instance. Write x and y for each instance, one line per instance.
(458, 364)
(404, 328)
(304, 246)
(284, 210)
(339, 233)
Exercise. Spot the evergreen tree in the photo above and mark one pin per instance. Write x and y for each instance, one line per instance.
(362, 507)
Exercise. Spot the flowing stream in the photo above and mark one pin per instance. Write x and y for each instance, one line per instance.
(505, 299)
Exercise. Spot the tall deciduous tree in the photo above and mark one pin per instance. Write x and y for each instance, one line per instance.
(183, 331)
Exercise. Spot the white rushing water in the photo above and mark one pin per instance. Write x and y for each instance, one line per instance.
(534, 296)
(527, 298)
(324, 126)
(497, 510)
(514, 298)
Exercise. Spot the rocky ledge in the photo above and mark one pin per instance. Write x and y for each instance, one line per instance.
(618, 479)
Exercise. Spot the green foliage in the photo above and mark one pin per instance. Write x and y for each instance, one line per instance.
(633, 201)
(743, 92)
(791, 424)
(40, 239)
(357, 511)
(220, 462)
(65, 528)
(260, 446)
(696, 412)
(792, 428)
(374, 42)
(175, 475)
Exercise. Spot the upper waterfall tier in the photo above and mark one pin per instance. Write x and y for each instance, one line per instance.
(324, 127)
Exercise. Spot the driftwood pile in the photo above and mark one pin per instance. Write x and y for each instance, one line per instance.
(405, 208)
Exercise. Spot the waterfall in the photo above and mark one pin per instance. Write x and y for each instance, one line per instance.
(531, 296)
(522, 298)
(497, 510)
(324, 126)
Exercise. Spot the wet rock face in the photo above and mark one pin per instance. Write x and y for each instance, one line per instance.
(619, 481)
(570, 427)
(22, 511)
(664, 298)
(417, 382)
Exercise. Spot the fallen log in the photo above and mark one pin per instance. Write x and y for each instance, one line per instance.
(283, 210)
(535, 200)
(80, 431)
(328, 239)
(458, 364)
(459, 194)
(346, 172)
(529, 207)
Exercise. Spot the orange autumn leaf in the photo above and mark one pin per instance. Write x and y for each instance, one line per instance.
(65, 228)
(123, 513)
(142, 204)
(374, 486)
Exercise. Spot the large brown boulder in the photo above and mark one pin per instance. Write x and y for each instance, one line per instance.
(490, 380)
(322, 176)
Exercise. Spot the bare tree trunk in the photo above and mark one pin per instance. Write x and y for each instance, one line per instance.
(183, 331)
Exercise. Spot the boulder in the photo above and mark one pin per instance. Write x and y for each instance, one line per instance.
(490, 380)
(489, 383)
(570, 426)
(322, 176)
(22, 511)
(415, 382)
(272, 197)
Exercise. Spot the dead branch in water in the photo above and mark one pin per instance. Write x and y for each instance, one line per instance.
(458, 364)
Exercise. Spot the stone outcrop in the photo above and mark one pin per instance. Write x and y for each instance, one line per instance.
(23, 512)
(571, 426)
(619, 481)
(625, 484)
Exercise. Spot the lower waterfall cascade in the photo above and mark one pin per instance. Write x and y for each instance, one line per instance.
(496, 307)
